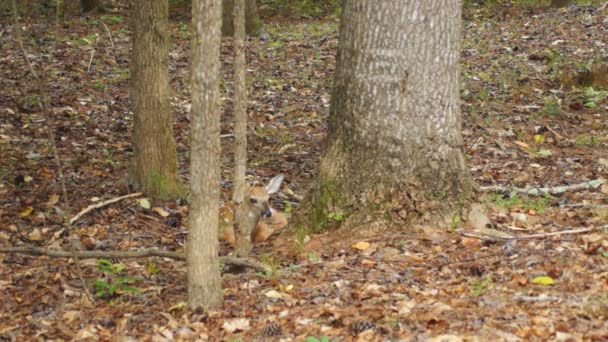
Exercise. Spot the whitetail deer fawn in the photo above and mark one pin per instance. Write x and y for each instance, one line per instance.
(261, 218)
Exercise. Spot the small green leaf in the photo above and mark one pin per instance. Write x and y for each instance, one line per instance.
(144, 203)
(544, 153)
(152, 269)
(131, 289)
(543, 280)
(590, 104)
(127, 280)
(117, 268)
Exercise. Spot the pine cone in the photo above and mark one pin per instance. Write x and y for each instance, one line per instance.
(271, 329)
(358, 327)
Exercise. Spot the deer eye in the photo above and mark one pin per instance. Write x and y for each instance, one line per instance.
(253, 200)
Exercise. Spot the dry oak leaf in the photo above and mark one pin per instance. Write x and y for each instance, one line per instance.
(361, 245)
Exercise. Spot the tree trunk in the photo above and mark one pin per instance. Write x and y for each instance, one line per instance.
(154, 168)
(253, 24)
(91, 5)
(240, 130)
(204, 281)
(393, 150)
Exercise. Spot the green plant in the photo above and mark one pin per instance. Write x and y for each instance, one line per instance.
(592, 97)
(313, 257)
(551, 107)
(537, 204)
(114, 283)
(288, 207)
(272, 263)
(338, 217)
(317, 339)
(479, 287)
(587, 140)
(456, 221)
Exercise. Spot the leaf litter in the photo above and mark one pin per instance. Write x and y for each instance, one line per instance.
(527, 124)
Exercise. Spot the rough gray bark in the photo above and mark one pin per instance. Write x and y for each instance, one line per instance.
(204, 282)
(394, 139)
(154, 169)
(253, 24)
(240, 131)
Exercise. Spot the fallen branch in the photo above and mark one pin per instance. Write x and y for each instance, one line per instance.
(102, 204)
(143, 253)
(584, 206)
(502, 236)
(555, 190)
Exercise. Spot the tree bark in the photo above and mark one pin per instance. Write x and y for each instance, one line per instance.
(243, 247)
(253, 24)
(393, 149)
(204, 282)
(154, 168)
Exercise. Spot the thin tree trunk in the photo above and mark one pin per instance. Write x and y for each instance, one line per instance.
(204, 281)
(394, 140)
(154, 168)
(253, 24)
(240, 130)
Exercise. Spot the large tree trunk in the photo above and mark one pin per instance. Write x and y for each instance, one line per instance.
(204, 282)
(154, 168)
(394, 140)
(253, 24)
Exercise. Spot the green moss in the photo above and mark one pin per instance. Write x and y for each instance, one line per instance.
(326, 209)
(164, 187)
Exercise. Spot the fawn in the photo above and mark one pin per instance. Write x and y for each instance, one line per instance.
(263, 219)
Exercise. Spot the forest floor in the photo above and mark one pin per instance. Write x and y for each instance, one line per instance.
(534, 84)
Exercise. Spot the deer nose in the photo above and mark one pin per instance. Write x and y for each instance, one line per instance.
(267, 213)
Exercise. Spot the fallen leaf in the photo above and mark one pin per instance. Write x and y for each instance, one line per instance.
(478, 218)
(35, 235)
(234, 324)
(543, 280)
(274, 294)
(470, 242)
(544, 153)
(522, 144)
(53, 199)
(361, 245)
(27, 211)
(144, 203)
(160, 211)
(178, 306)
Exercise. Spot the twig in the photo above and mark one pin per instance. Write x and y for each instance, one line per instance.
(109, 33)
(540, 298)
(102, 204)
(91, 60)
(584, 206)
(593, 184)
(142, 253)
(505, 237)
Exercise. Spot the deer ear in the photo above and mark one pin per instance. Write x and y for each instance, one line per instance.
(274, 184)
